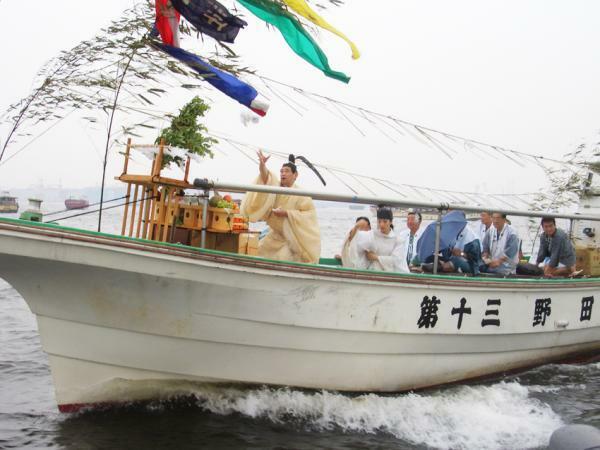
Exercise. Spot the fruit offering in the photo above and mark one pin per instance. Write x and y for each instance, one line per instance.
(214, 200)
(225, 204)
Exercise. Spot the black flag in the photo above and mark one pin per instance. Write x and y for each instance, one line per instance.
(210, 17)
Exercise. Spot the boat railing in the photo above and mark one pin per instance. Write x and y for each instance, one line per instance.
(156, 219)
(206, 185)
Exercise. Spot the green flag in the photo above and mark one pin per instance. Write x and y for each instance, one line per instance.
(293, 33)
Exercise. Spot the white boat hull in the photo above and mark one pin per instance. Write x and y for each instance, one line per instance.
(123, 320)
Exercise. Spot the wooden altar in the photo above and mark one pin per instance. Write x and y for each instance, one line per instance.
(158, 209)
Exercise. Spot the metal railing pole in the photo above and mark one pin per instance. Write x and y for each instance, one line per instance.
(374, 200)
(570, 229)
(204, 218)
(438, 229)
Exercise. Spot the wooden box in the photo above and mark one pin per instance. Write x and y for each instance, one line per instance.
(220, 219)
(588, 260)
(248, 244)
(192, 216)
(180, 236)
(225, 242)
(242, 243)
(158, 209)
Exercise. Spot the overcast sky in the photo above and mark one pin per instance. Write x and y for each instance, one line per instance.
(521, 74)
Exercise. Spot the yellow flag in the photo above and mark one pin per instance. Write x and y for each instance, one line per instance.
(302, 8)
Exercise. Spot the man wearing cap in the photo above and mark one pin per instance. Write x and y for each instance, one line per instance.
(293, 227)
(381, 248)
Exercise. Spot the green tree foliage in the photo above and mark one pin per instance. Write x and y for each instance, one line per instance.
(186, 132)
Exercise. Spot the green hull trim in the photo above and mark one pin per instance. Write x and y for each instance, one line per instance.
(31, 216)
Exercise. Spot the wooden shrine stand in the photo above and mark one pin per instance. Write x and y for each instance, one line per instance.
(161, 211)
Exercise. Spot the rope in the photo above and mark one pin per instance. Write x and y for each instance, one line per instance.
(91, 204)
(98, 210)
(336, 171)
(424, 130)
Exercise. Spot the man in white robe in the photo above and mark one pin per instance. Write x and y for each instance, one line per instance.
(381, 248)
(293, 227)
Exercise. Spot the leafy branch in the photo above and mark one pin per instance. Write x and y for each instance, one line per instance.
(186, 132)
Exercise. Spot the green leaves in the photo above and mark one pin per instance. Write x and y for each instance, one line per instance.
(185, 132)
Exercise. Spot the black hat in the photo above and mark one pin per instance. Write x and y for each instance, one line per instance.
(293, 167)
(291, 163)
(385, 213)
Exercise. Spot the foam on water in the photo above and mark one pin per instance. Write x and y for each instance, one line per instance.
(481, 417)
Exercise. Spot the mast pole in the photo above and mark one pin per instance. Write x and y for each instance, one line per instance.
(109, 132)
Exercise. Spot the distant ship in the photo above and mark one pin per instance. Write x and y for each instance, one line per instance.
(356, 206)
(76, 203)
(8, 204)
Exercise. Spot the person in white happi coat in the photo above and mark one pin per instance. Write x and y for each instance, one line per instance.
(381, 248)
(481, 227)
(412, 235)
(500, 247)
(466, 253)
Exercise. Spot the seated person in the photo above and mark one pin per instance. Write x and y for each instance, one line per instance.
(466, 254)
(556, 254)
(411, 236)
(500, 247)
(362, 224)
(482, 226)
(381, 248)
(453, 265)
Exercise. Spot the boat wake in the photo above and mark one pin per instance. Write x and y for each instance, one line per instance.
(500, 416)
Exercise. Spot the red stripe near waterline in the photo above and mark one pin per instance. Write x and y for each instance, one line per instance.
(76, 407)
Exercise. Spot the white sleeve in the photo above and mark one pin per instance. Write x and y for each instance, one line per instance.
(364, 241)
(355, 250)
(396, 262)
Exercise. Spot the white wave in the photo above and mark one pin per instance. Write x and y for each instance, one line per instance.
(545, 389)
(500, 416)
(589, 367)
(553, 389)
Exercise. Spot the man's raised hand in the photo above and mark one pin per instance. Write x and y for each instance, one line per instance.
(262, 166)
(262, 159)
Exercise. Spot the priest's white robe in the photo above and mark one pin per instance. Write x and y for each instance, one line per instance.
(388, 247)
(293, 238)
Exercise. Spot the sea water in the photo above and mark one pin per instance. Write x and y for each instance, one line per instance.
(516, 412)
